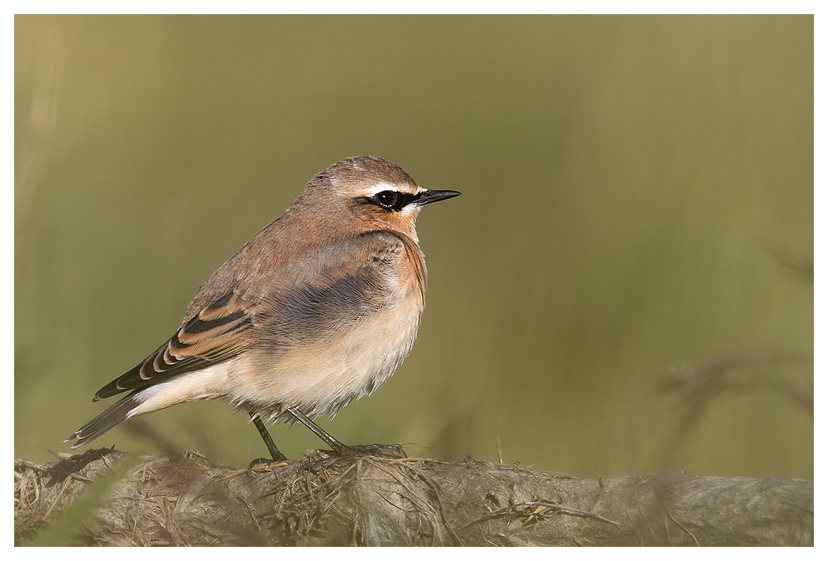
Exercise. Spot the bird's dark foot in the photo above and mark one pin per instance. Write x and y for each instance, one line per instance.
(381, 450)
(324, 459)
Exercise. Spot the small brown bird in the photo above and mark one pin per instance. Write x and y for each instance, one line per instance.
(318, 309)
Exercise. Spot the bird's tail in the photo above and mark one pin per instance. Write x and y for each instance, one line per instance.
(116, 413)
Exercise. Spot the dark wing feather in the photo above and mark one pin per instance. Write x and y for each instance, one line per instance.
(214, 335)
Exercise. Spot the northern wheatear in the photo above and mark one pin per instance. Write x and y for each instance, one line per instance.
(316, 310)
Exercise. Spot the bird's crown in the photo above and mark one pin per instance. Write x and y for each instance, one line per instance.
(365, 176)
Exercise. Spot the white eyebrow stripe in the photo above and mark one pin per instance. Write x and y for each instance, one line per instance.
(380, 187)
(383, 186)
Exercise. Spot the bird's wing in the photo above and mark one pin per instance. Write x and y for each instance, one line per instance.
(217, 333)
(344, 280)
(344, 284)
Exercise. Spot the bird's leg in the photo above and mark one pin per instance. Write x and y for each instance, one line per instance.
(335, 445)
(343, 449)
(271, 446)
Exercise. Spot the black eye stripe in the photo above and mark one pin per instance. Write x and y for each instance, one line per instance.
(393, 201)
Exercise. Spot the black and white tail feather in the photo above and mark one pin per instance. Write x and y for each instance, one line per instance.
(115, 414)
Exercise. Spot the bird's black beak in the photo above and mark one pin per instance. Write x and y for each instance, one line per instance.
(427, 196)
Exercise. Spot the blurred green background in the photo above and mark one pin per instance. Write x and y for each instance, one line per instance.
(624, 287)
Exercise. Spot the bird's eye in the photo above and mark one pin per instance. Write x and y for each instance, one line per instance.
(387, 198)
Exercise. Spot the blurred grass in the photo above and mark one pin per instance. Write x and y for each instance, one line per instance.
(629, 185)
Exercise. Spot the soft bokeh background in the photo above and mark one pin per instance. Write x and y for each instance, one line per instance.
(624, 287)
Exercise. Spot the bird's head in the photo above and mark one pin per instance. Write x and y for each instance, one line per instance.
(373, 192)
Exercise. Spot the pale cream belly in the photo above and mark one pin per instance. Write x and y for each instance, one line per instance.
(324, 377)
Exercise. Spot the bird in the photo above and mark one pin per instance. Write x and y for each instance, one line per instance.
(318, 309)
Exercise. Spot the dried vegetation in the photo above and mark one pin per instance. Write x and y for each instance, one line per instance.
(106, 497)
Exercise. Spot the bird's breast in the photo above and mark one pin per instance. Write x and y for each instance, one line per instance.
(333, 343)
(325, 375)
